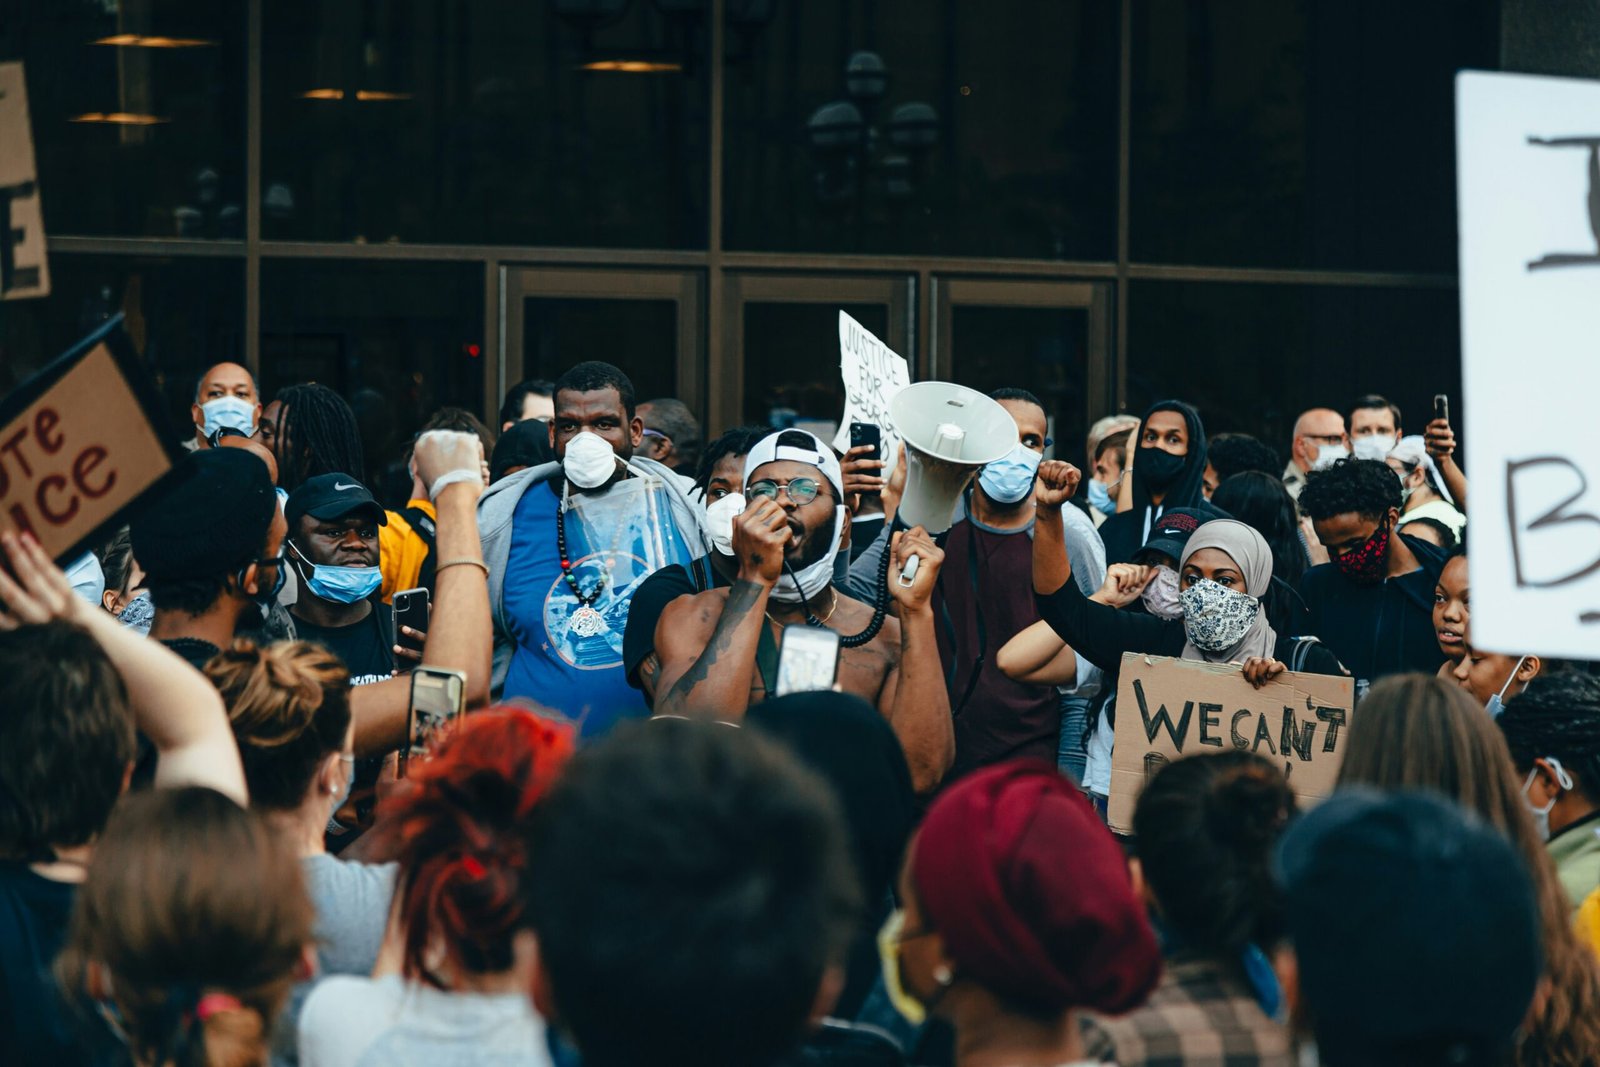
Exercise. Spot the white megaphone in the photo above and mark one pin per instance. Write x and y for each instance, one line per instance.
(949, 432)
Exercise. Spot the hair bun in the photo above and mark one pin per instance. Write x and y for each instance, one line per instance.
(1248, 808)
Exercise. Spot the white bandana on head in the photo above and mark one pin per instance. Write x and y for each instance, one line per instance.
(819, 575)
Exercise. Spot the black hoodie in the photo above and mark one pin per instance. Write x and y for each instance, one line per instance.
(1124, 533)
(1379, 629)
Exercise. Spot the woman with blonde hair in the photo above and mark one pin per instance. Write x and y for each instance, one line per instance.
(189, 930)
(1417, 732)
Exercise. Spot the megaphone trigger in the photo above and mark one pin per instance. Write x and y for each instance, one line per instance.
(908, 576)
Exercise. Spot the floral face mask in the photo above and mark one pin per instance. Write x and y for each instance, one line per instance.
(1366, 565)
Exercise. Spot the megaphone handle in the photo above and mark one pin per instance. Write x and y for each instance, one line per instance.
(908, 576)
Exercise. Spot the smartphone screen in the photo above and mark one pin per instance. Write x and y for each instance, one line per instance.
(437, 697)
(411, 608)
(808, 660)
(867, 433)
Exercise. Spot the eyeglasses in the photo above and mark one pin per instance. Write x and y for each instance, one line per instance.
(801, 490)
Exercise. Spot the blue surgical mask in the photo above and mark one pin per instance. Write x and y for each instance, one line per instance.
(342, 585)
(1009, 479)
(1100, 498)
(1497, 702)
(228, 411)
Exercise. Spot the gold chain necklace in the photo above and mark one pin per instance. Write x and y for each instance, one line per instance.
(820, 622)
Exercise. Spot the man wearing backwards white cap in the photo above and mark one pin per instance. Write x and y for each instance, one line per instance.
(718, 649)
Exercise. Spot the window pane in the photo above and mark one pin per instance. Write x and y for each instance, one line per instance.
(1252, 357)
(1285, 133)
(183, 315)
(397, 340)
(791, 362)
(640, 337)
(434, 121)
(1021, 159)
(144, 137)
(1042, 350)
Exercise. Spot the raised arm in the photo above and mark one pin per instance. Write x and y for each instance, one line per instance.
(460, 632)
(711, 678)
(1441, 443)
(172, 703)
(1058, 480)
(1038, 656)
(914, 697)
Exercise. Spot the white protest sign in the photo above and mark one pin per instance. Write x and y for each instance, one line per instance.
(23, 270)
(1528, 173)
(872, 374)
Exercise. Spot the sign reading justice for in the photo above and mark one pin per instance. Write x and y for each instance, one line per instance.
(1171, 708)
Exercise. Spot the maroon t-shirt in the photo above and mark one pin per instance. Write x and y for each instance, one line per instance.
(990, 572)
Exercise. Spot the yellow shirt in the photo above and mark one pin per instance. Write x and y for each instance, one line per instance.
(401, 550)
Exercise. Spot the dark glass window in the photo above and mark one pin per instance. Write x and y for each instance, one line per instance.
(138, 113)
(1013, 153)
(1252, 357)
(183, 315)
(791, 362)
(397, 340)
(640, 338)
(578, 122)
(1042, 350)
(1286, 133)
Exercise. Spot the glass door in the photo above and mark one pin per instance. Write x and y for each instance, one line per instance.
(781, 344)
(644, 321)
(1048, 337)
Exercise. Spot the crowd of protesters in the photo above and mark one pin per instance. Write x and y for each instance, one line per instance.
(219, 844)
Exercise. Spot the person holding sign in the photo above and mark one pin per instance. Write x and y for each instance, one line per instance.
(1225, 571)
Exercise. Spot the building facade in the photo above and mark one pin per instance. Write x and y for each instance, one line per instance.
(1247, 203)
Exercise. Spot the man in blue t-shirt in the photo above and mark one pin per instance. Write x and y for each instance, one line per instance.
(568, 543)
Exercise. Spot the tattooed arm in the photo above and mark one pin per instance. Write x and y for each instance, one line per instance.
(703, 677)
(709, 677)
(914, 699)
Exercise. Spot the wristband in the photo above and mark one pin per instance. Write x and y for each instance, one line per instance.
(463, 562)
(451, 478)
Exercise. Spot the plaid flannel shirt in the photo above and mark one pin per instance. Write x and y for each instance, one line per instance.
(1199, 1016)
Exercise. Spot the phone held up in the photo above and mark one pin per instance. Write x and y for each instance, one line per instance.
(808, 660)
(867, 433)
(411, 607)
(438, 697)
(1441, 407)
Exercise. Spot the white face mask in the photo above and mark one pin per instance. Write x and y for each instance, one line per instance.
(1374, 446)
(1541, 816)
(1162, 596)
(349, 782)
(815, 578)
(719, 521)
(590, 461)
(1328, 455)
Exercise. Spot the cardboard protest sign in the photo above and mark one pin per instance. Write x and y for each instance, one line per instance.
(872, 375)
(1528, 170)
(79, 442)
(23, 269)
(1170, 708)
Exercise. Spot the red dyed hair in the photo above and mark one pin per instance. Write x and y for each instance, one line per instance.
(461, 857)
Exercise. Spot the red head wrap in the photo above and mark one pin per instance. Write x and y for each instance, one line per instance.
(1031, 893)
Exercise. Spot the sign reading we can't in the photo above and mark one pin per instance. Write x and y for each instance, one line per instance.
(78, 444)
(1171, 708)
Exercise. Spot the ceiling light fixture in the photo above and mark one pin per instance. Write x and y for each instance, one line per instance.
(632, 66)
(119, 118)
(140, 40)
(375, 94)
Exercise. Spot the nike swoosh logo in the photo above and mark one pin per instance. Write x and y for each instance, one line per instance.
(341, 487)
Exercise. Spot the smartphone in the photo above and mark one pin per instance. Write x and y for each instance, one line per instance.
(808, 660)
(1441, 407)
(867, 433)
(438, 697)
(411, 608)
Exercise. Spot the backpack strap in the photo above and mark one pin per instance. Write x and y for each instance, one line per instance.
(426, 532)
(1302, 648)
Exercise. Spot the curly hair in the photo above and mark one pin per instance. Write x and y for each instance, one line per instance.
(1236, 453)
(289, 705)
(594, 375)
(462, 859)
(1366, 487)
(1557, 715)
(1205, 829)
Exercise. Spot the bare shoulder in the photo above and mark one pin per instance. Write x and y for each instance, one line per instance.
(692, 614)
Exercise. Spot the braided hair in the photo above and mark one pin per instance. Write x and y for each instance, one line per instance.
(1557, 716)
(317, 424)
(736, 442)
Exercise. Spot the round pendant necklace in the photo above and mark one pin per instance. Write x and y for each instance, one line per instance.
(586, 621)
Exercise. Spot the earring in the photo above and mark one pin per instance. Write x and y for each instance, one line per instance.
(943, 974)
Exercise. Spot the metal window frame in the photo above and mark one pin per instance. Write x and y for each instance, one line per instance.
(713, 353)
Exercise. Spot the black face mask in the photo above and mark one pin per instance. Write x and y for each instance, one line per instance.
(1159, 467)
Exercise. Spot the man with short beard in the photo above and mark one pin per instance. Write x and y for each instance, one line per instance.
(718, 650)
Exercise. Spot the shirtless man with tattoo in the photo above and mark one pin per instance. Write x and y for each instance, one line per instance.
(717, 649)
